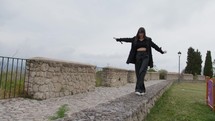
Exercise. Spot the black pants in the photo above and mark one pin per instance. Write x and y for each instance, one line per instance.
(141, 67)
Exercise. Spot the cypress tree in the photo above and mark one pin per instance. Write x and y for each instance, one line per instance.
(208, 69)
(194, 62)
(198, 62)
(190, 57)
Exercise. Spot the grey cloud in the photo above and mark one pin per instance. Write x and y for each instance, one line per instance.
(84, 30)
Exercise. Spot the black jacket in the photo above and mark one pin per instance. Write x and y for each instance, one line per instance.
(132, 54)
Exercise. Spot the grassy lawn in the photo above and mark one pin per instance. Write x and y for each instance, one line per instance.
(182, 102)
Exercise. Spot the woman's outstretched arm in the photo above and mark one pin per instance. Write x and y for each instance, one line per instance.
(124, 39)
(157, 48)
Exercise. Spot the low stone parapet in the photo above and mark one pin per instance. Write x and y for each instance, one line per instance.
(48, 78)
(113, 77)
(172, 76)
(152, 76)
(187, 77)
(131, 76)
(200, 78)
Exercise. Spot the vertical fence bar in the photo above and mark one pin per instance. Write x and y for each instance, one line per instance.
(5, 85)
(17, 65)
(29, 68)
(20, 76)
(11, 77)
(2, 67)
(24, 79)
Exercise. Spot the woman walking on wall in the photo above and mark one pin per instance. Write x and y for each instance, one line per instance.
(140, 55)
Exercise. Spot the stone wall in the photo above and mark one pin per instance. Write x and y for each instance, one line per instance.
(200, 78)
(152, 76)
(117, 77)
(53, 78)
(187, 77)
(114, 77)
(131, 76)
(172, 76)
(184, 77)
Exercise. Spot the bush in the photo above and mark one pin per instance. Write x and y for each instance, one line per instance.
(152, 70)
(163, 73)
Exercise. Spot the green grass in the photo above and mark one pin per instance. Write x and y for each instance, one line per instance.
(60, 113)
(8, 87)
(182, 102)
(98, 78)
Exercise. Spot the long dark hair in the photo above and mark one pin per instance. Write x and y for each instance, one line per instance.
(140, 30)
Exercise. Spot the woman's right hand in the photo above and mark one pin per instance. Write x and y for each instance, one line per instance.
(118, 40)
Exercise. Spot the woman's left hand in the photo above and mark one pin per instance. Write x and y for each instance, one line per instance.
(164, 52)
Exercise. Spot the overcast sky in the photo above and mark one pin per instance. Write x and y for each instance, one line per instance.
(83, 30)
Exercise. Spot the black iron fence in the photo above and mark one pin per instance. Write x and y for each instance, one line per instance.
(12, 77)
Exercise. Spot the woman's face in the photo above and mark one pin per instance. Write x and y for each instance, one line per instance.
(141, 35)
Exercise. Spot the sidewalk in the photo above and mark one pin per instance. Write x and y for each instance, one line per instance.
(20, 109)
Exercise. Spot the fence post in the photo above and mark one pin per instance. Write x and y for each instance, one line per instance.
(213, 94)
(206, 98)
(210, 93)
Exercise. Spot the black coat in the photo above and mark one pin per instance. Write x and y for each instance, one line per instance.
(132, 54)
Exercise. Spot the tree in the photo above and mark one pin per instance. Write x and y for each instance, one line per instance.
(190, 57)
(198, 63)
(194, 62)
(208, 69)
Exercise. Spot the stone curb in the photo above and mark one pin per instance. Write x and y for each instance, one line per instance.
(127, 108)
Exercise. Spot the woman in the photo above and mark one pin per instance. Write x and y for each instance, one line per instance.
(140, 55)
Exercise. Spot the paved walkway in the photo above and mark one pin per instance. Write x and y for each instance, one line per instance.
(20, 109)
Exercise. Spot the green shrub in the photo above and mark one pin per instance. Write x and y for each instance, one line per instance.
(60, 113)
(163, 74)
(152, 70)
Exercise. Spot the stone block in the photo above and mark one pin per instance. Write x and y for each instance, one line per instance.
(43, 88)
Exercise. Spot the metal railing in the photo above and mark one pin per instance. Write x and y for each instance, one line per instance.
(12, 77)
